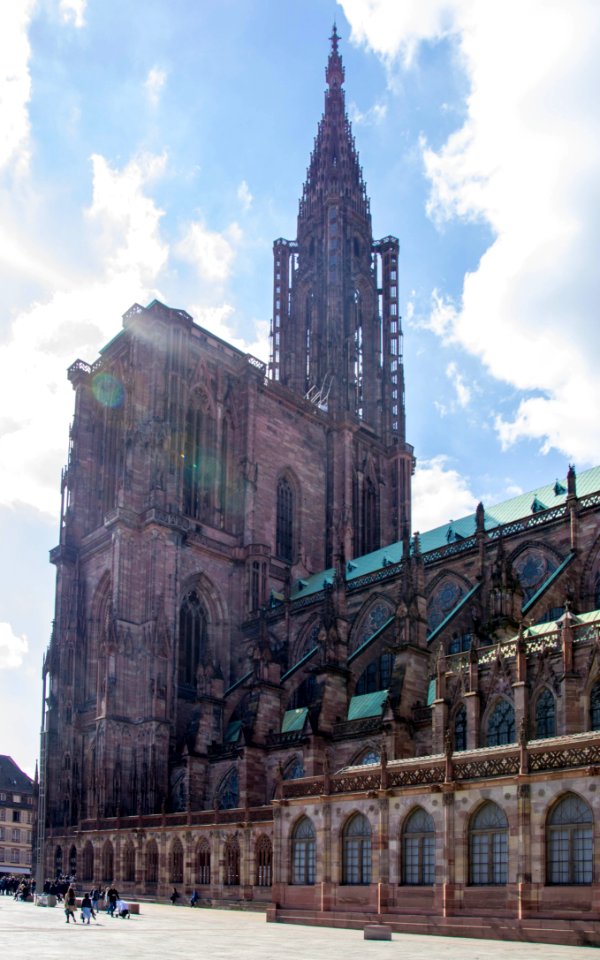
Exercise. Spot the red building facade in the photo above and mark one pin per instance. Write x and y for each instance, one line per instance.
(259, 684)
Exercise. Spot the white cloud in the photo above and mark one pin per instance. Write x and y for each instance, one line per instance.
(217, 320)
(154, 84)
(73, 11)
(371, 117)
(440, 494)
(244, 196)
(211, 253)
(12, 648)
(15, 84)
(76, 318)
(463, 390)
(525, 163)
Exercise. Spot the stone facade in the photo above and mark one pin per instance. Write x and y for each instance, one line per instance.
(259, 684)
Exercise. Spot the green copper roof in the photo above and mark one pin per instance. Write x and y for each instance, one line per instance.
(509, 511)
(294, 719)
(367, 705)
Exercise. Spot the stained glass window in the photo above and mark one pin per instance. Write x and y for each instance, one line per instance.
(501, 725)
(285, 521)
(545, 715)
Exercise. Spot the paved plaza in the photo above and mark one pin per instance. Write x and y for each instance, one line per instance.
(162, 932)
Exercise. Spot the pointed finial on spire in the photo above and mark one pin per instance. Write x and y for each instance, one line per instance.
(335, 71)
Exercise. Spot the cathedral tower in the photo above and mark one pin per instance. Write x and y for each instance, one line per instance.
(336, 332)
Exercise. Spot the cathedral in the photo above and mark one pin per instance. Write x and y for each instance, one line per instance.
(261, 683)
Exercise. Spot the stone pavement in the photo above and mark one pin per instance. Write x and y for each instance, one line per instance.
(163, 932)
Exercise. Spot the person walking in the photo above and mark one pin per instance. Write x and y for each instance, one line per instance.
(86, 908)
(70, 904)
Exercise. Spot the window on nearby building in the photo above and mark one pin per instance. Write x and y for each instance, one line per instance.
(569, 842)
(264, 862)
(284, 546)
(16, 797)
(418, 849)
(129, 862)
(2, 796)
(2, 814)
(488, 846)
(2, 837)
(228, 797)
(356, 851)
(16, 836)
(595, 707)
(151, 862)
(192, 639)
(15, 856)
(16, 816)
(232, 863)
(545, 715)
(176, 862)
(203, 862)
(2, 855)
(303, 852)
(460, 729)
(377, 676)
(501, 724)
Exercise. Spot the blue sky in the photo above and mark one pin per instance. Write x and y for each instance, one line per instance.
(157, 149)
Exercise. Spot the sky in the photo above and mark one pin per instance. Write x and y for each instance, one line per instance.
(157, 148)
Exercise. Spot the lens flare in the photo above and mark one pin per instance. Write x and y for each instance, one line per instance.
(107, 390)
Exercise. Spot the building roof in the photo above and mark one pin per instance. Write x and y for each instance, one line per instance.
(545, 497)
(12, 778)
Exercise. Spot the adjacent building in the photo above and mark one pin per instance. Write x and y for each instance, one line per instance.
(16, 818)
(261, 682)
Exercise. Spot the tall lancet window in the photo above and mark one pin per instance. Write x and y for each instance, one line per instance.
(200, 461)
(370, 517)
(192, 639)
(358, 353)
(285, 521)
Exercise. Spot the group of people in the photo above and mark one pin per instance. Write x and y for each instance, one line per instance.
(114, 905)
(175, 896)
(20, 888)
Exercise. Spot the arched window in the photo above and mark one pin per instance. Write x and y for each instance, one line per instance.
(371, 756)
(229, 793)
(356, 852)
(284, 547)
(192, 639)
(176, 862)
(264, 862)
(151, 862)
(377, 676)
(488, 846)
(108, 862)
(595, 707)
(294, 769)
(58, 862)
(303, 852)
(203, 862)
(199, 461)
(73, 861)
(545, 715)
(87, 863)
(501, 724)
(305, 694)
(569, 842)
(227, 473)
(460, 729)
(418, 849)
(232, 863)
(129, 862)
